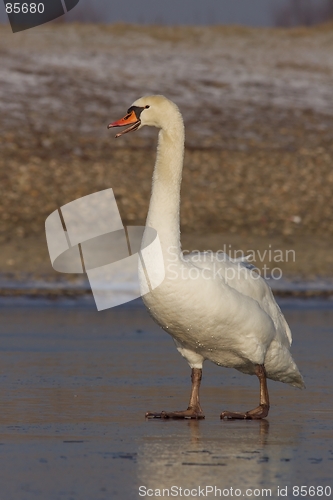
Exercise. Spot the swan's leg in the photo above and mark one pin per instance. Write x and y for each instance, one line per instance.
(194, 409)
(262, 410)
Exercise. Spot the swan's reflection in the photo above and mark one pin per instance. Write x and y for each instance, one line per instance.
(195, 435)
(228, 454)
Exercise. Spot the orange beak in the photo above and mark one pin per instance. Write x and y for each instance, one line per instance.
(129, 119)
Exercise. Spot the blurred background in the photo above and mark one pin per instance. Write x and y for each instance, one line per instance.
(253, 80)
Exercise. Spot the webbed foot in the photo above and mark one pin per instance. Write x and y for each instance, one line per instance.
(260, 412)
(190, 413)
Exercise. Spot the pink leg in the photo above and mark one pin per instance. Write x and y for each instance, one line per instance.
(262, 410)
(194, 409)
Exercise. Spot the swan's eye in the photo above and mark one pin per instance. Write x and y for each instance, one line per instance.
(146, 107)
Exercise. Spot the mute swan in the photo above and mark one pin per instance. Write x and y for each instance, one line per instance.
(215, 309)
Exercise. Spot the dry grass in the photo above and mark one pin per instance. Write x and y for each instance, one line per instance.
(258, 111)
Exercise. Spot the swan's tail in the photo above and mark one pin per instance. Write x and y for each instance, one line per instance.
(280, 366)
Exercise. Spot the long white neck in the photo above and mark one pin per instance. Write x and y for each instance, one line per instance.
(163, 214)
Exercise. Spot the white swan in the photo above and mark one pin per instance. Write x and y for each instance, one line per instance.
(215, 309)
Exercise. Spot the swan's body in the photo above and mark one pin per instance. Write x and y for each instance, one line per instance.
(234, 323)
(213, 307)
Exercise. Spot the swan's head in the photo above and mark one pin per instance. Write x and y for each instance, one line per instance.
(154, 111)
